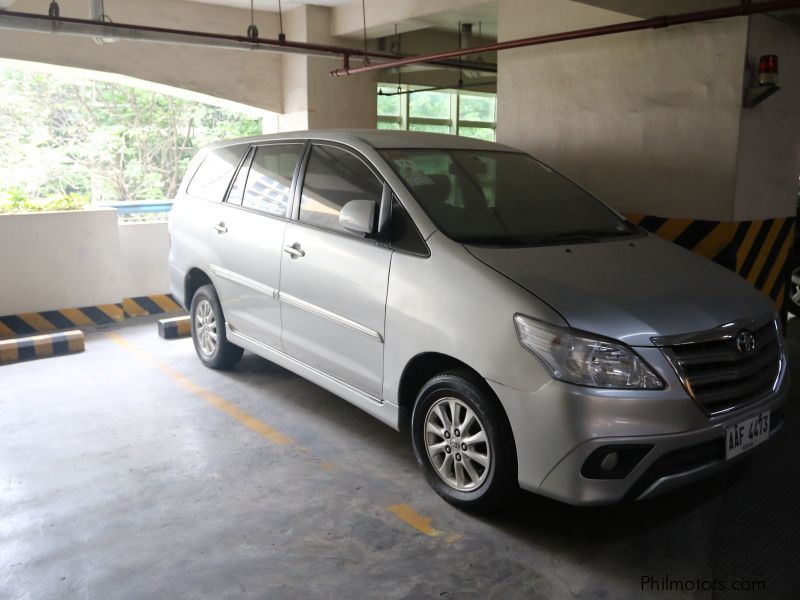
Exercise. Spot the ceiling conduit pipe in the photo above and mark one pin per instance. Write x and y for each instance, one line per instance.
(162, 35)
(740, 10)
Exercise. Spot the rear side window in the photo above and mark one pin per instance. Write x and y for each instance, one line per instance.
(211, 180)
(269, 184)
(333, 178)
(236, 192)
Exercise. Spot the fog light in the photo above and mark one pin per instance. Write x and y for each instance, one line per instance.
(609, 461)
(614, 461)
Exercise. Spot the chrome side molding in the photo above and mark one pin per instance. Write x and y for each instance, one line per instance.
(245, 281)
(331, 316)
(297, 302)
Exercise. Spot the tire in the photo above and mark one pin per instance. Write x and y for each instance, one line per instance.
(208, 321)
(793, 289)
(441, 455)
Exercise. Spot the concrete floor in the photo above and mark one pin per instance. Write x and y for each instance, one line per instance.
(131, 471)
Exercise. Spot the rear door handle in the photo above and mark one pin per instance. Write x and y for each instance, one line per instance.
(220, 228)
(294, 250)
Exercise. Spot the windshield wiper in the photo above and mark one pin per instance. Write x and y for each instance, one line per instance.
(564, 236)
(493, 240)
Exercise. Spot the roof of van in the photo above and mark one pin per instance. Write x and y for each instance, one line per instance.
(378, 138)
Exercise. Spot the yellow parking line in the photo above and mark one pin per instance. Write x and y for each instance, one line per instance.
(240, 416)
(422, 524)
(402, 511)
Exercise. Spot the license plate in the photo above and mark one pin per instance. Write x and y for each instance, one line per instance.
(746, 434)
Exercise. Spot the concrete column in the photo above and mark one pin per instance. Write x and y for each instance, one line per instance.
(768, 161)
(312, 98)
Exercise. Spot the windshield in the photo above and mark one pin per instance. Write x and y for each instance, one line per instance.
(502, 198)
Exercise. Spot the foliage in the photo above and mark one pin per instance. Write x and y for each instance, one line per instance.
(389, 105)
(14, 200)
(473, 107)
(68, 138)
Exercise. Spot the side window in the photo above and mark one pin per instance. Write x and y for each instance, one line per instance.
(333, 178)
(405, 236)
(236, 192)
(211, 180)
(269, 184)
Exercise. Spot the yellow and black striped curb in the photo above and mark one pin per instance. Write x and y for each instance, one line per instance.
(87, 316)
(756, 250)
(150, 305)
(176, 327)
(41, 346)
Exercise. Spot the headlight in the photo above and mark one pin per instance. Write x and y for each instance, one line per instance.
(577, 358)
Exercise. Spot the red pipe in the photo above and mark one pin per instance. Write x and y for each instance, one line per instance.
(280, 45)
(654, 23)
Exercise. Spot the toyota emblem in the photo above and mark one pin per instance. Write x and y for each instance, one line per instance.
(745, 342)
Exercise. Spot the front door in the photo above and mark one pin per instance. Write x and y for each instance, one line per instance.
(333, 283)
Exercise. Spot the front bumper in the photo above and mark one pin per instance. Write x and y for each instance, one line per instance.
(558, 427)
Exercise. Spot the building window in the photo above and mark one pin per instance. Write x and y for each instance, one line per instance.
(457, 112)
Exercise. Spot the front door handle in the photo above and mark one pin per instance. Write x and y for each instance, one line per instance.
(220, 228)
(294, 250)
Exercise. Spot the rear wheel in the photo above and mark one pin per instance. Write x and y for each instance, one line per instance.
(463, 442)
(208, 331)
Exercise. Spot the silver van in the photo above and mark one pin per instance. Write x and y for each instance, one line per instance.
(527, 333)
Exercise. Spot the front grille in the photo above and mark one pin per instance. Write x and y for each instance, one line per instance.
(720, 377)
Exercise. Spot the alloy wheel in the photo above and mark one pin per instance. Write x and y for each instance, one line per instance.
(456, 443)
(205, 326)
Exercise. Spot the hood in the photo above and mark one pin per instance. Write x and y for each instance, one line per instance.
(630, 290)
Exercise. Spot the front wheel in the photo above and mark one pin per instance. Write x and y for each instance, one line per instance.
(793, 292)
(463, 442)
(208, 331)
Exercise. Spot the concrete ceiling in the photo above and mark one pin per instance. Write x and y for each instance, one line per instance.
(654, 8)
(485, 14)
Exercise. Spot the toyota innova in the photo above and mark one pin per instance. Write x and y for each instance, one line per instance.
(527, 333)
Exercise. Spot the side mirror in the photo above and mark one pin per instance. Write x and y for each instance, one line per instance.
(358, 216)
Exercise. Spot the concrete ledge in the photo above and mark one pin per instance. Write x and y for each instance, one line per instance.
(176, 327)
(41, 346)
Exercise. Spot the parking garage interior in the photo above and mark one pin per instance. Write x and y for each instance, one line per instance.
(131, 470)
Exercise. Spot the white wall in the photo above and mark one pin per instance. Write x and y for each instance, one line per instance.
(647, 120)
(59, 260)
(143, 254)
(78, 258)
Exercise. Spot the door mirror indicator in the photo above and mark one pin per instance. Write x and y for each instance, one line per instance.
(358, 216)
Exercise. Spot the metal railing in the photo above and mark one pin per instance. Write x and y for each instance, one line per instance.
(140, 211)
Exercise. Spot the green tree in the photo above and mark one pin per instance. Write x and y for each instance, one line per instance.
(63, 137)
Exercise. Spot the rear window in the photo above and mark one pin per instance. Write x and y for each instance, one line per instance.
(211, 180)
